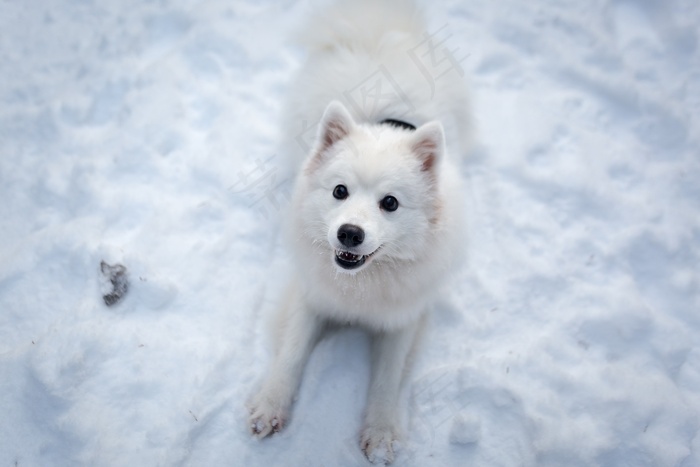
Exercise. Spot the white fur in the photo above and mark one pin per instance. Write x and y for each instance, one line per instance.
(412, 248)
(347, 44)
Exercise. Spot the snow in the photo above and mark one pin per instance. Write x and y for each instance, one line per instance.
(144, 134)
(466, 429)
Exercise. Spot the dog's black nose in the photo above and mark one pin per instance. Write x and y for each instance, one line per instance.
(350, 235)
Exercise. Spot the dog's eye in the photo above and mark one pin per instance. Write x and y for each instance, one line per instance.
(340, 192)
(389, 203)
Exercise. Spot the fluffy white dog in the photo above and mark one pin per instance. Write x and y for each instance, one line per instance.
(377, 216)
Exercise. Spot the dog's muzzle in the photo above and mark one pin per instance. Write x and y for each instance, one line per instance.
(350, 236)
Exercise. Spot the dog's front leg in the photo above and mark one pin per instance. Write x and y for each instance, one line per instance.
(298, 333)
(390, 351)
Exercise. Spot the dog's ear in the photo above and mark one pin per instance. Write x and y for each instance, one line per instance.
(335, 125)
(428, 144)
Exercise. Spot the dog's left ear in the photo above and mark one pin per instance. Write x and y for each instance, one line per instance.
(428, 144)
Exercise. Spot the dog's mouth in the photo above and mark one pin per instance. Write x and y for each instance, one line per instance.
(348, 260)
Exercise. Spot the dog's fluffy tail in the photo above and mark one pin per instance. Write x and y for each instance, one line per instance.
(361, 24)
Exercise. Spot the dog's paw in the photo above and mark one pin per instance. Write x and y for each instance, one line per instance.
(379, 443)
(266, 418)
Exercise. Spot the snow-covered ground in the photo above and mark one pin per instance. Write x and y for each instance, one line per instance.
(144, 133)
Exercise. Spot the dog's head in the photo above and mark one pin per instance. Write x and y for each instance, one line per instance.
(371, 192)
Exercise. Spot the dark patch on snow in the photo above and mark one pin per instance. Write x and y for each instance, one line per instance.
(120, 282)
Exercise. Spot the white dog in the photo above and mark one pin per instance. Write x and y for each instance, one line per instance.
(376, 213)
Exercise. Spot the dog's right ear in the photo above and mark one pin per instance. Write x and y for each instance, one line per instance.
(335, 125)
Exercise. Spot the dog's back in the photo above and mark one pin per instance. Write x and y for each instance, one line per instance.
(379, 59)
